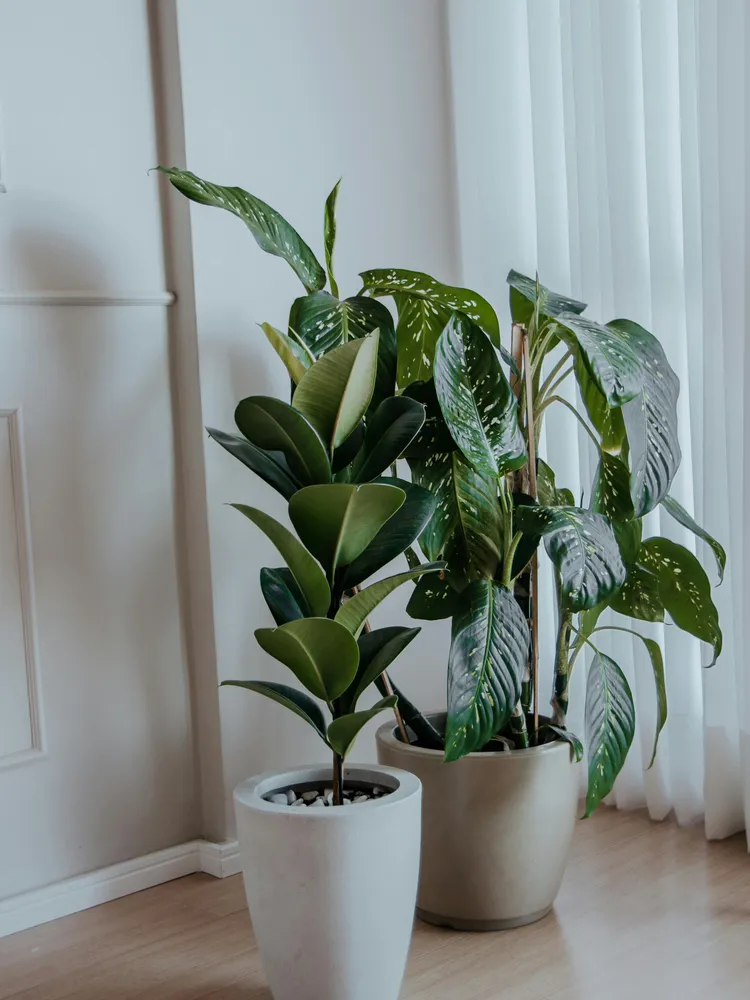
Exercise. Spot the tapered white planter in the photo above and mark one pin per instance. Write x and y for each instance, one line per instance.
(496, 830)
(331, 891)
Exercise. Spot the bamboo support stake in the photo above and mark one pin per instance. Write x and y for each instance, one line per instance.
(534, 561)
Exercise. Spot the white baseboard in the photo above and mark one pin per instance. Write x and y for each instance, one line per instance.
(17, 913)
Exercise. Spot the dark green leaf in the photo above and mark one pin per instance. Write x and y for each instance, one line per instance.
(434, 435)
(320, 652)
(415, 284)
(293, 699)
(324, 322)
(377, 650)
(390, 430)
(651, 418)
(338, 521)
(529, 542)
(488, 656)
(354, 612)
(336, 391)
(546, 489)
(576, 746)
(479, 519)
(272, 468)
(680, 515)
(271, 231)
(329, 234)
(344, 730)
(396, 535)
(420, 323)
(435, 474)
(610, 725)
(628, 535)
(582, 546)
(347, 451)
(523, 295)
(684, 589)
(612, 361)
(611, 490)
(282, 594)
(433, 598)
(607, 420)
(478, 404)
(308, 574)
(639, 596)
(422, 728)
(273, 425)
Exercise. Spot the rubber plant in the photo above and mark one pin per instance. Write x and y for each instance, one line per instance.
(326, 453)
(495, 499)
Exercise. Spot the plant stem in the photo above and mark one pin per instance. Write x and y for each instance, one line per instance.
(576, 414)
(534, 573)
(562, 665)
(518, 727)
(338, 779)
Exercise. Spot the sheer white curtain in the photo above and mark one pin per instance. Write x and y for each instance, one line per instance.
(604, 143)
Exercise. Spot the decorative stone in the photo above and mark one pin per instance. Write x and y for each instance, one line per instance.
(310, 796)
(279, 799)
(317, 802)
(291, 796)
(361, 797)
(299, 802)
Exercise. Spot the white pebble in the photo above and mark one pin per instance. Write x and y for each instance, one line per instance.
(299, 802)
(310, 796)
(279, 799)
(327, 792)
(361, 798)
(317, 802)
(291, 796)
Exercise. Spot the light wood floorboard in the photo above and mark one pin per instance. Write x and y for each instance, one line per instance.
(646, 910)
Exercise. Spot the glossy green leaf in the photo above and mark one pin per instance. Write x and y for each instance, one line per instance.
(348, 450)
(282, 595)
(650, 419)
(478, 404)
(479, 518)
(682, 517)
(308, 574)
(293, 699)
(337, 389)
(390, 430)
(612, 361)
(611, 492)
(529, 541)
(523, 296)
(610, 726)
(684, 589)
(420, 323)
(415, 284)
(435, 474)
(434, 435)
(607, 420)
(338, 521)
(547, 492)
(377, 650)
(344, 730)
(433, 598)
(324, 322)
(639, 596)
(271, 231)
(628, 535)
(354, 612)
(396, 535)
(320, 652)
(564, 734)
(272, 469)
(488, 656)
(274, 425)
(582, 545)
(295, 357)
(329, 234)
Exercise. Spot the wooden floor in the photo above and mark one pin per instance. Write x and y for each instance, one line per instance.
(646, 911)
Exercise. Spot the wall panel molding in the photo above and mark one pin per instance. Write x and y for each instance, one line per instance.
(73, 298)
(37, 749)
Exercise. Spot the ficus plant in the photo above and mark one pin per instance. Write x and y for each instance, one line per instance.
(494, 499)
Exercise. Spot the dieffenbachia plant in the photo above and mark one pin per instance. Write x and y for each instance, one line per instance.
(495, 499)
(328, 453)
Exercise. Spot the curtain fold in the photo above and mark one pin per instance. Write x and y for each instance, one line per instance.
(605, 145)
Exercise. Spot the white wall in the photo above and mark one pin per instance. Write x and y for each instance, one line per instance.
(90, 627)
(283, 97)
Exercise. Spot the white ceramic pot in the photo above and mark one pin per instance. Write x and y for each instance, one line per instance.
(496, 830)
(331, 891)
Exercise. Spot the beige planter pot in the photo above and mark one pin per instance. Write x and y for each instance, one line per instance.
(496, 830)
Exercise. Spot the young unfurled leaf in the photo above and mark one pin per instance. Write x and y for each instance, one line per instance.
(524, 294)
(582, 546)
(477, 402)
(343, 731)
(682, 517)
(295, 357)
(488, 656)
(320, 652)
(308, 574)
(275, 426)
(610, 726)
(293, 699)
(329, 234)
(271, 231)
(337, 389)
(338, 521)
(650, 418)
(273, 469)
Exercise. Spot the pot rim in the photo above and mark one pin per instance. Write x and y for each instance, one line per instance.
(403, 785)
(386, 736)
